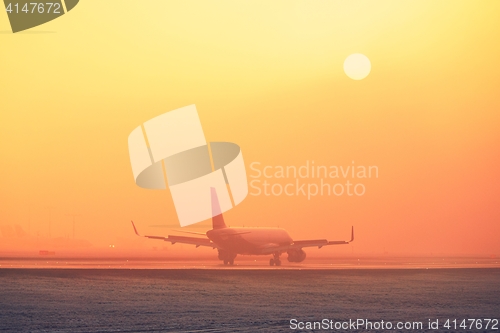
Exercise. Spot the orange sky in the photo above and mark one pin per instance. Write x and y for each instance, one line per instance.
(268, 76)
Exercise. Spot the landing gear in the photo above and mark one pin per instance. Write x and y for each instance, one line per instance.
(227, 257)
(275, 260)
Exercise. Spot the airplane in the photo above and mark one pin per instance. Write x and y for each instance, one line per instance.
(230, 242)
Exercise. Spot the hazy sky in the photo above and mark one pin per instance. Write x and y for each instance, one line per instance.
(267, 75)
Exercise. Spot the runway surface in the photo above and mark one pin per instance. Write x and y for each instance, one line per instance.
(253, 263)
(243, 300)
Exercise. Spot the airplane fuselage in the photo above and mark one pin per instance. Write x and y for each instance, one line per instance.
(249, 241)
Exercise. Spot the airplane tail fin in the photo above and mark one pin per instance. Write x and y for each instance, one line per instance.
(217, 218)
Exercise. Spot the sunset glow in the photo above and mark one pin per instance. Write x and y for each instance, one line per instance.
(271, 77)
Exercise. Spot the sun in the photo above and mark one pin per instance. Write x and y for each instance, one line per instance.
(357, 66)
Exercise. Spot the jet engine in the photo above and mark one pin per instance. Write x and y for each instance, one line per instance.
(296, 255)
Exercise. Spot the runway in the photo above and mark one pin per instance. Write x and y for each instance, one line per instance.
(261, 263)
(238, 300)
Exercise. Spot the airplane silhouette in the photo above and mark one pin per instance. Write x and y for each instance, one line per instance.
(230, 242)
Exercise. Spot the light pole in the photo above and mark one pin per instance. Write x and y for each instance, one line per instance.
(50, 221)
(73, 215)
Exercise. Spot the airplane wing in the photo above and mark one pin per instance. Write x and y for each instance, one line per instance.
(305, 243)
(181, 239)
